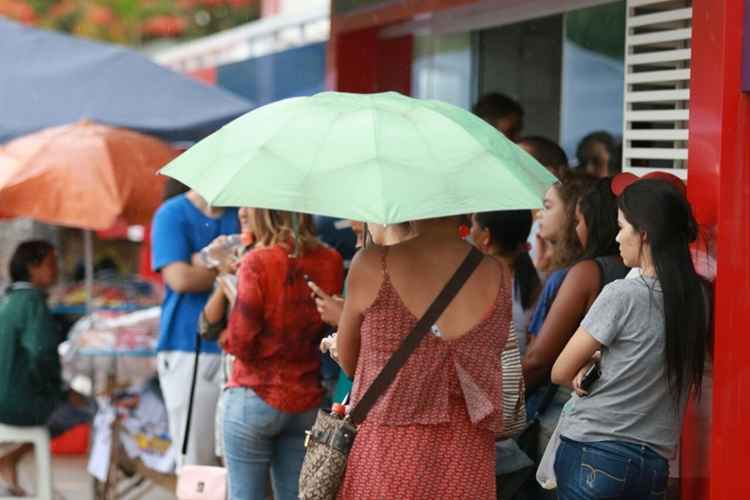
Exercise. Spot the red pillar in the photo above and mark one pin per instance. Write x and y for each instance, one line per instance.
(719, 189)
(361, 61)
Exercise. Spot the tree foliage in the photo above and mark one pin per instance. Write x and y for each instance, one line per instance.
(133, 22)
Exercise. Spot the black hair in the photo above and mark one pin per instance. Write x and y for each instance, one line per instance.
(509, 230)
(173, 187)
(598, 206)
(546, 151)
(659, 210)
(494, 106)
(584, 154)
(27, 254)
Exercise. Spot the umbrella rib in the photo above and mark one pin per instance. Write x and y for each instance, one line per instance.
(375, 144)
(245, 163)
(314, 163)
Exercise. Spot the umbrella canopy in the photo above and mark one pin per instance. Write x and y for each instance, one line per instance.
(50, 79)
(382, 158)
(83, 175)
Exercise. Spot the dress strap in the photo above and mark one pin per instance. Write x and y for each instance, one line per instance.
(383, 263)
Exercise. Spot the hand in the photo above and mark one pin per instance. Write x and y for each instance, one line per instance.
(223, 339)
(579, 376)
(329, 306)
(196, 260)
(229, 265)
(328, 344)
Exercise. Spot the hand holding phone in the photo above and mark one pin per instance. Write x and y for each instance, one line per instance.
(329, 306)
(590, 376)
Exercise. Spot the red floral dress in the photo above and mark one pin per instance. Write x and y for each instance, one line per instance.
(432, 434)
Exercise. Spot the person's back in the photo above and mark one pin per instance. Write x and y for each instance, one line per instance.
(447, 397)
(274, 390)
(30, 380)
(275, 331)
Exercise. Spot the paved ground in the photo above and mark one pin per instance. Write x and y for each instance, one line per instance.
(73, 482)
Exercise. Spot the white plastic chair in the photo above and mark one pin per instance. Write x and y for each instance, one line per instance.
(39, 437)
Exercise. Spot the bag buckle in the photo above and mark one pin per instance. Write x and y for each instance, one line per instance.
(308, 434)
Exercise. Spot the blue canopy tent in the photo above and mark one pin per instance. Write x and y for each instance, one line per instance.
(50, 79)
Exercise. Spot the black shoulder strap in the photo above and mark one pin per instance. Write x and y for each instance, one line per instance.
(192, 394)
(398, 358)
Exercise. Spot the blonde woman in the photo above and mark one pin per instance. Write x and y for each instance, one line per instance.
(274, 331)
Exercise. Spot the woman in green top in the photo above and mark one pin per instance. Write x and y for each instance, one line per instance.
(31, 389)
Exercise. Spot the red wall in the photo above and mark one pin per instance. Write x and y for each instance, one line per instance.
(719, 185)
(360, 61)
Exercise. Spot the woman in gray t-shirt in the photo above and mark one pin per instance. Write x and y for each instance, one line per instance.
(652, 336)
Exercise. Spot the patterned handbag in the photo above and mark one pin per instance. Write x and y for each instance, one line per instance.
(331, 437)
(514, 389)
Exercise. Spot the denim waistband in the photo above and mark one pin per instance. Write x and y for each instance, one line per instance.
(624, 449)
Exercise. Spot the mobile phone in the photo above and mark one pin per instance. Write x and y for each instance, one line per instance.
(591, 376)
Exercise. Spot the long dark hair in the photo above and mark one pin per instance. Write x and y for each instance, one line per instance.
(657, 209)
(509, 231)
(599, 209)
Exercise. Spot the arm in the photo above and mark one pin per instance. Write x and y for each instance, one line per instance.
(577, 292)
(39, 340)
(600, 328)
(575, 356)
(185, 278)
(213, 320)
(365, 277)
(215, 309)
(172, 253)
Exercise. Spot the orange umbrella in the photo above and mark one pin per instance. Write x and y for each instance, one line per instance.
(83, 175)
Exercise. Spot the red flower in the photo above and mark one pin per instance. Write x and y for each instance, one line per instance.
(20, 11)
(101, 15)
(164, 26)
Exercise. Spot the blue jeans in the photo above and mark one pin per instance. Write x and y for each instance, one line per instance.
(258, 437)
(609, 469)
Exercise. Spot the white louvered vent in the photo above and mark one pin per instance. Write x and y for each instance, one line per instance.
(657, 86)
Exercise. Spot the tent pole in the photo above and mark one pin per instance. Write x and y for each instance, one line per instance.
(88, 262)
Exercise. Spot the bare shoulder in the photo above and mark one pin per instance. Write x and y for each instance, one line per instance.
(584, 274)
(365, 276)
(368, 259)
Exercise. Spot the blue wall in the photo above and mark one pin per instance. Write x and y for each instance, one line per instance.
(295, 72)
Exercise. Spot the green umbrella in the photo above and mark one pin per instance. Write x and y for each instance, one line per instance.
(382, 158)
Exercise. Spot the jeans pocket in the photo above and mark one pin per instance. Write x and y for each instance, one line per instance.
(210, 366)
(258, 414)
(659, 480)
(602, 475)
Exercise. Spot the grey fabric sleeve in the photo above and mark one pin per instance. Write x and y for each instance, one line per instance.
(608, 313)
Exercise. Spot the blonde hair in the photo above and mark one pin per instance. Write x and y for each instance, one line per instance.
(277, 227)
(571, 188)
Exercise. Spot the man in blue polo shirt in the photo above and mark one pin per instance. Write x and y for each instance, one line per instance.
(182, 226)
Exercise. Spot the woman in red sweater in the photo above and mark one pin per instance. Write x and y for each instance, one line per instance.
(274, 331)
